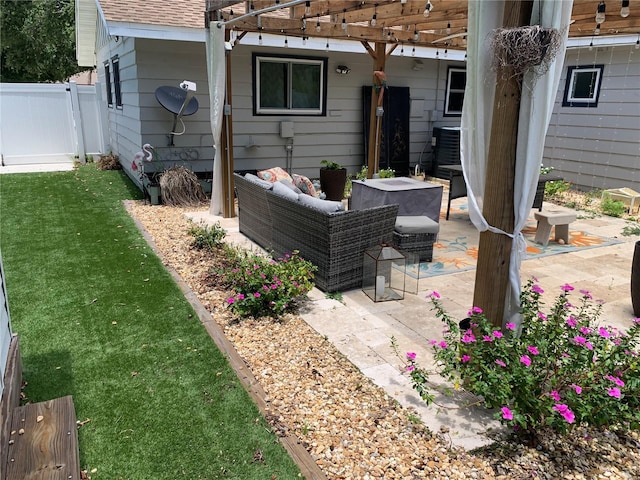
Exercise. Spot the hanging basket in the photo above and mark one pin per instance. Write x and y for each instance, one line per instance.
(523, 48)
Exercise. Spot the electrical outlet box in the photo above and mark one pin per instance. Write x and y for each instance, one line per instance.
(286, 129)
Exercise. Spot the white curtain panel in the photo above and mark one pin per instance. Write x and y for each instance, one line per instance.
(216, 68)
(536, 106)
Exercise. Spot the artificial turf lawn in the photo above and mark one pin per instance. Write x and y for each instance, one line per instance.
(101, 319)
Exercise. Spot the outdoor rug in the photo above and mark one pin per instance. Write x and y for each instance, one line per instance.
(457, 247)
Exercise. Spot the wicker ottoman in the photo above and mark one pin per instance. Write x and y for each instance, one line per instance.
(416, 235)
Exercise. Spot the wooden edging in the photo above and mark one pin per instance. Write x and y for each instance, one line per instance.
(10, 399)
(291, 443)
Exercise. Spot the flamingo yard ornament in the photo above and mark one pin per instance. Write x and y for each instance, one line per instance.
(139, 160)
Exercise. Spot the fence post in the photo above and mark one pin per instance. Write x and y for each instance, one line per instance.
(77, 120)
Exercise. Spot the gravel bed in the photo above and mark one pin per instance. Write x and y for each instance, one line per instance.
(350, 426)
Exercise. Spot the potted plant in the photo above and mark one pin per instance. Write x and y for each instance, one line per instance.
(333, 179)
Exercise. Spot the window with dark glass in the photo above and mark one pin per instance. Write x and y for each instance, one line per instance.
(293, 86)
(107, 83)
(582, 88)
(115, 62)
(456, 83)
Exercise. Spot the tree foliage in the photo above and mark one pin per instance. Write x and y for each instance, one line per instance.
(37, 40)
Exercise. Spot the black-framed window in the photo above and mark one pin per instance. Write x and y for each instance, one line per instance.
(107, 83)
(456, 82)
(582, 88)
(115, 63)
(289, 85)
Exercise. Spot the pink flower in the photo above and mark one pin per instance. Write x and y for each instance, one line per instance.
(465, 358)
(585, 330)
(588, 345)
(572, 322)
(434, 294)
(410, 368)
(257, 294)
(507, 414)
(579, 340)
(542, 316)
(501, 363)
(566, 288)
(526, 360)
(563, 410)
(636, 321)
(497, 334)
(230, 300)
(241, 296)
(555, 395)
(615, 380)
(533, 350)
(468, 337)
(586, 294)
(577, 388)
(474, 311)
(487, 338)
(443, 344)
(510, 326)
(537, 289)
(614, 392)
(603, 332)
(411, 356)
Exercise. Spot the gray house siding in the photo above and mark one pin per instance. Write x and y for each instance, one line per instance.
(599, 147)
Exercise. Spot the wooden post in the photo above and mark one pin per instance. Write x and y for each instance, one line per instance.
(228, 202)
(375, 122)
(494, 250)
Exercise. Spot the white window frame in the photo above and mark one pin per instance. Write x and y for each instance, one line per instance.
(572, 74)
(447, 97)
(320, 111)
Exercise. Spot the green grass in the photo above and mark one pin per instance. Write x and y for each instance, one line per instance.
(100, 318)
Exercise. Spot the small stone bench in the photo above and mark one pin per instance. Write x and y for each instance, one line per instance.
(416, 235)
(553, 217)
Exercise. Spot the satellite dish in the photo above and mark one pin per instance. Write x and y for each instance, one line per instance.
(173, 99)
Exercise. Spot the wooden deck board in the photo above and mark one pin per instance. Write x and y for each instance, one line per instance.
(43, 442)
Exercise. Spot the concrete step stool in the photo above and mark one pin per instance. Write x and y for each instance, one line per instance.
(416, 235)
(560, 218)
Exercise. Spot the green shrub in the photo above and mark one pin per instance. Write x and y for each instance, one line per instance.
(382, 173)
(613, 208)
(561, 370)
(267, 287)
(207, 237)
(556, 187)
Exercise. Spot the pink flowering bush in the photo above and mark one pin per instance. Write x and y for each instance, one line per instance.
(561, 370)
(267, 287)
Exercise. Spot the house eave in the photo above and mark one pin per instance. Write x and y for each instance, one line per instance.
(156, 32)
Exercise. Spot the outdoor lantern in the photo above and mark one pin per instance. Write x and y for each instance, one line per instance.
(383, 272)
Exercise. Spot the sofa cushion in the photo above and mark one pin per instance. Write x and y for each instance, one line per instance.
(416, 224)
(304, 184)
(326, 206)
(279, 188)
(258, 181)
(290, 186)
(275, 174)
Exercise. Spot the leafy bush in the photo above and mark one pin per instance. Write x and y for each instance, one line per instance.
(382, 173)
(207, 237)
(613, 208)
(267, 287)
(563, 369)
(556, 187)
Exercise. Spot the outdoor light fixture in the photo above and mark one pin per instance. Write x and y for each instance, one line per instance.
(286, 42)
(413, 52)
(260, 39)
(326, 47)
(318, 24)
(307, 7)
(344, 20)
(427, 9)
(374, 20)
(638, 43)
(402, 49)
(591, 45)
(597, 30)
(600, 16)
(624, 11)
(448, 28)
(416, 36)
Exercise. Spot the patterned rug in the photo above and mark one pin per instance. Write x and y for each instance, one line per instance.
(457, 247)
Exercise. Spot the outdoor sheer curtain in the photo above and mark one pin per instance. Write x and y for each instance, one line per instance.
(538, 97)
(216, 68)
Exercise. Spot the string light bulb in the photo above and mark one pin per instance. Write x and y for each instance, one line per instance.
(260, 39)
(374, 18)
(600, 12)
(416, 36)
(286, 42)
(413, 51)
(326, 47)
(402, 49)
(344, 20)
(304, 40)
(307, 7)
(318, 24)
(448, 30)
(427, 9)
(638, 44)
(591, 45)
(597, 30)
(624, 11)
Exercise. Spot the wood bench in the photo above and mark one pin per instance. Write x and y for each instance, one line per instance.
(43, 441)
(553, 217)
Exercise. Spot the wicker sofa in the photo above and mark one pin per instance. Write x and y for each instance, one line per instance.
(334, 242)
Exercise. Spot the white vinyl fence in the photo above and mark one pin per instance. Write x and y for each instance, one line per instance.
(49, 123)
